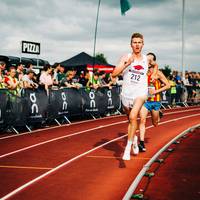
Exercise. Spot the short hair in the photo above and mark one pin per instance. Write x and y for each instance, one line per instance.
(137, 35)
(69, 72)
(96, 73)
(19, 63)
(46, 67)
(2, 63)
(152, 54)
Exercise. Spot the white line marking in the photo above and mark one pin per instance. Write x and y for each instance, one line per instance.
(59, 138)
(76, 133)
(73, 159)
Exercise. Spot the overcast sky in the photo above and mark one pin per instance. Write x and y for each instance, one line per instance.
(66, 27)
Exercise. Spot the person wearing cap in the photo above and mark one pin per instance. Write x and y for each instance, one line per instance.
(28, 80)
(153, 104)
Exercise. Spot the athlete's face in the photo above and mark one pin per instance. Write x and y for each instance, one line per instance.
(150, 60)
(137, 44)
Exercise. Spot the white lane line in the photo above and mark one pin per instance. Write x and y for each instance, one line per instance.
(85, 121)
(76, 133)
(59, 138)
(75, 158)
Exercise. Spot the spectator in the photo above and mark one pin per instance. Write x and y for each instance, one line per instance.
(2, 68)
(103, 79)
(28, 80)
(178, 86)
(56, 69)
(75, 76)
(94, 81)
(46, 80)
(173, 89)
(29, 66)
(84, 78)
(20, 71)
(11, 82)
(61, 73)
(68, 81)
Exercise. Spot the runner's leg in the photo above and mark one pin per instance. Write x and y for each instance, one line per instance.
(143, 116)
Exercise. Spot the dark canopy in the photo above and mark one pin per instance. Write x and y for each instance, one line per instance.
(81, 60)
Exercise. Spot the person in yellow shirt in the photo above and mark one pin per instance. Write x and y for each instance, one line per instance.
(173, 89)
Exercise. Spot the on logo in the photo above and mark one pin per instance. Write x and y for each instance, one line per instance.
(92, 101)
(64, 106)
(34, 107)
(164, 95)
(109, 94)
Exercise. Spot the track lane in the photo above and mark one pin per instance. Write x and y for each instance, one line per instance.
(121, 144)
(17, 144)
(87, 177)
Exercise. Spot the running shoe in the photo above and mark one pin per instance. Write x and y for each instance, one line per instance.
(142, 148)
(126, 155)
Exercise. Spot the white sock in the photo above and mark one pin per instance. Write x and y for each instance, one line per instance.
(135, 138)
(129, 143)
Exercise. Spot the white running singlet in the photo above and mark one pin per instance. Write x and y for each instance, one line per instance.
(135, 80)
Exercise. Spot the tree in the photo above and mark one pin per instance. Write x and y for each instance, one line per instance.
(167, 70)
(101, 58)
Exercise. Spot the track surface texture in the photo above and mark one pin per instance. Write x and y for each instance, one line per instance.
(178, 177)
(83, 160)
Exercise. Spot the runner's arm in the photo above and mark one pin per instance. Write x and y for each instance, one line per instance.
(125, 61)
(164, 80)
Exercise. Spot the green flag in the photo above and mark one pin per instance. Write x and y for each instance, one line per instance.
(125, 6)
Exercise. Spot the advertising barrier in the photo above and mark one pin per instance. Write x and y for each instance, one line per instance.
(37, 104)
(3, 106)
(94, 102)
(64, 102)
(112, 97)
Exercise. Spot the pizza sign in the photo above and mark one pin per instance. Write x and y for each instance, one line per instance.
(30, 47)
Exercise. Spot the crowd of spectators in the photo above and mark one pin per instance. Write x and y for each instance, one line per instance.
(51, 77)
(184, 90)
(56, 76)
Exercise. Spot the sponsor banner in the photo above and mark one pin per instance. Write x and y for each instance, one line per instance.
(94, 102)
(105, 68)
(3, 106)
(30, 47)
(17, 111)
(112, 97)
(166, 97)
(37, 104)
(65, 102)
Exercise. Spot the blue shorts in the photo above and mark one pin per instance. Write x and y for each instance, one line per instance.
(152, 105)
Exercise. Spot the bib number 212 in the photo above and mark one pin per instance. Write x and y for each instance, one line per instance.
(135, 77)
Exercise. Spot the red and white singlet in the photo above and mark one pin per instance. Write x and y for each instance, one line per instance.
(135, 82)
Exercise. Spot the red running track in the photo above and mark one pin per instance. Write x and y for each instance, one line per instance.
(82, 160)
(178, 176)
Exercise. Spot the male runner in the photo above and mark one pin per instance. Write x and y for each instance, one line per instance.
(156, 86)
(134, 68)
